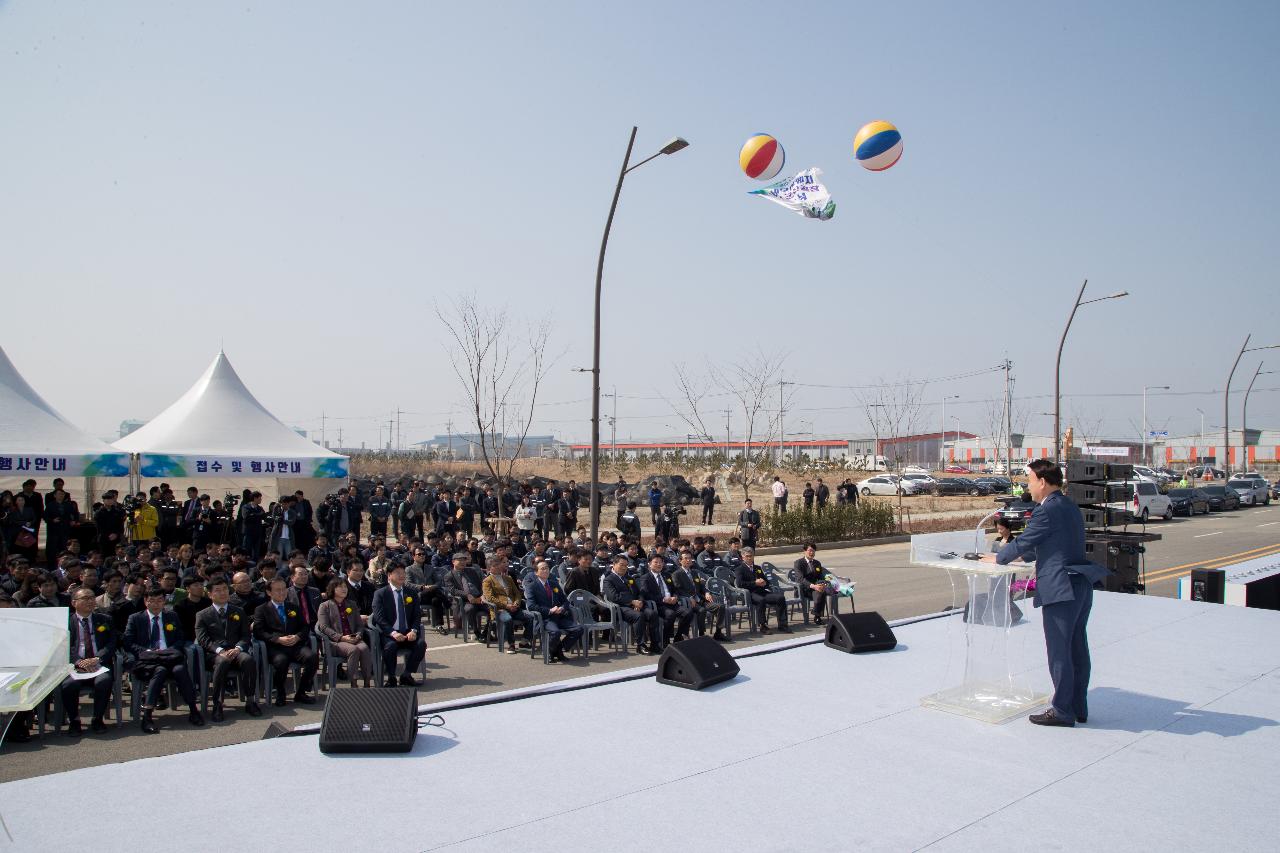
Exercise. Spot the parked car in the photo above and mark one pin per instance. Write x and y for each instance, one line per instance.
(1197, 473)
(1147, 501)
(887, 484)
(924, 481)
(1016, 511)
(915, 469)
(999, 485)
(957, 469)
(1151, 475)
(1189, 502)
(1221, 498)
(974, 488)
(1253, 491)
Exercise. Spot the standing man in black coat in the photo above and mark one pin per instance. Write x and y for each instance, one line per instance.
(222, 632)
(397, 612)
(445, 512)
(708, 497)
(822, 495)
(748, 524)
(251, 518)
(109, 520)
(379, 512)
(304, 530)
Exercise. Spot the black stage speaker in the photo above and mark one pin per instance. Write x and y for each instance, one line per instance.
(696, 663)
(1208, 585)
(383, 719)
(860, 632)
(1080, 470)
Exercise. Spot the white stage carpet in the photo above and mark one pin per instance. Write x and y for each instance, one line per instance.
(808, 749)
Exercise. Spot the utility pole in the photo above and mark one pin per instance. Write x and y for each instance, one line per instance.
(942, 447)
(726, 436)
(339, 438)
(389, 423)
(323, 441)
(1008, 419)
(449, 430)
(782, 430)
(399, 446)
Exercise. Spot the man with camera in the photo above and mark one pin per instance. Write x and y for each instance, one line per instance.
(252, 517)
(109, 521)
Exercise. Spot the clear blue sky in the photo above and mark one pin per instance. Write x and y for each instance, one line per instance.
(299, 181)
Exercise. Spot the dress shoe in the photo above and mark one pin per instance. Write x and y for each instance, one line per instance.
(511, 650)
(560, 657)
(253, 709)
(390, 682)
(279, 703)
(408, 681)
(642, 649)
(719, 636)
(1083, 719)
(1049, 718)
(148, 722)
(98, 726)
(785, 630)
(217, 716)
(764, 629)
(74, 728)
(819, 621)
(163, 702)
(679, 638)
(195, 718)
(304, 698)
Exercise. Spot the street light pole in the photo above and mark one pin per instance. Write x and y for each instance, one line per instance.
(1145, 389)
(957, 420)
(942, 451)
(670, 148)
(1057, 370)
(1226, 401)
(1244, 415)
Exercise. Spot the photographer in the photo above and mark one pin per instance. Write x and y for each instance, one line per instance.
(203, 525)
(252, 519)
(109, 520)
(144, 519)
(669, 522)
(283, 519)
(339, 516)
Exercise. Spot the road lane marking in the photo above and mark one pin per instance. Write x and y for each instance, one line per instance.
(1182, 571)
(1202, 535)
(1269, 523)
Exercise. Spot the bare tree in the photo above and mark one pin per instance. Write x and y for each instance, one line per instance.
(692, 390)
(893, 409)
(501, 369)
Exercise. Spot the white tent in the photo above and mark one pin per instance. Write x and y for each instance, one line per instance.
(217, 436)
(38, 443)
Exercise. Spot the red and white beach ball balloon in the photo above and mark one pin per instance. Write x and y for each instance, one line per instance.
(762, 157)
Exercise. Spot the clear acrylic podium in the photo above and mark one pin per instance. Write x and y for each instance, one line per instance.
(990, 689)
(34, 658)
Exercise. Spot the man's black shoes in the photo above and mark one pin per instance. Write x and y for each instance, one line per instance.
(1050, 718)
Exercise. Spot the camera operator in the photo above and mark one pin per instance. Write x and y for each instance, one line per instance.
(669, 521)
(252, 520)
(170, 511)
(144, 519)
(203, 525)
(109, 520)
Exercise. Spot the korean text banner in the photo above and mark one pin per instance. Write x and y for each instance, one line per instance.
(804, 194)
(163, 465)
(92, 465)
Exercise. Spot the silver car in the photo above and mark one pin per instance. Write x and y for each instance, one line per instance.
(887, 484)
(1253, 491)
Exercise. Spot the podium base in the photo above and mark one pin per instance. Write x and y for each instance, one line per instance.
(991, 703)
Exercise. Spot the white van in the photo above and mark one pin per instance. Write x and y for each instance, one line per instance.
(1147, 502)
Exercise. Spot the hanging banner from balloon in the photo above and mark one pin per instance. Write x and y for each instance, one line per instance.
(804, 194)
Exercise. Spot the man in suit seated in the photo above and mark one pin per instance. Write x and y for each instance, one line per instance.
(93, 647)
(502, 592)
(427, 578)
(156, 650)
(545, 597)
(466, 585)
(304, 596)
(244, 593)
(814, 582)
(288, 640)
(673, 617)
(396, 614)
(756, 580)
(222, 632)
(361, 589)
(621, 590)
(690, 586)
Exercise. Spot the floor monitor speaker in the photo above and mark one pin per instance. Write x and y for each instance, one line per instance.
(384, 719)
(696, 663)
(860, 632)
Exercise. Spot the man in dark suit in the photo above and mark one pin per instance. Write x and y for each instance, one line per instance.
(748, 524)
(190, 515)
(813, 581)
(397, 613)
(757, 581)
(222, 631)
(304, 530)
(1054, 538)
(445, 512)
(360, 588)
(304, 596)
(288, 640)
(156, 650)
(93, 647)
(545, 597)
(621, 590)
(673, 617)
(690, 586)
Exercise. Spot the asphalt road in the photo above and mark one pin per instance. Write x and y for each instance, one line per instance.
(885, 582)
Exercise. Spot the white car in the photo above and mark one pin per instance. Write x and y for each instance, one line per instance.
(887, 484)
(1253, 490)
(1147, 502)
(923, 480)
(1142, 472)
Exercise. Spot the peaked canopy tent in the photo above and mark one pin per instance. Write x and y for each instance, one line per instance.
(219, 438)
(37, 443)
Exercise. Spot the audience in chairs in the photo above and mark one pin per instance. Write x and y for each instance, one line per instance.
(93, 649)
(758, 581)
(280, 626)
(617, 588)
(502, 593)
(397, 613)
(814, 582)
(341, 623)
(156, 650)
(225, 640)
(544, 596)
(692, 587)
(655, 590)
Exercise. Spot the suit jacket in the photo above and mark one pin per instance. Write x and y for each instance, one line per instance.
(330, 622)
(651, 591)
(384, 609)
(810, 572)
(137, 633)
(313, 602)
(538, 600)
(467, 582)
(1054, 538)
(502, 591)
(363, 596)
(213, 633)
(268, 628)
(619, 590)
(104, 636)
(688, 584)
(747, 576)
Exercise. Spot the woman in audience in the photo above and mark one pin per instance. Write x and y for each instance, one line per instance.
(340, 621)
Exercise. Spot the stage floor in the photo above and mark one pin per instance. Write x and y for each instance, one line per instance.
(807, 749)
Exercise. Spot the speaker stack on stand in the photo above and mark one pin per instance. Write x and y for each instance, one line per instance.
(1096, 487)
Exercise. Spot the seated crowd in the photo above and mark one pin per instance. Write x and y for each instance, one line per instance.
(284, 595)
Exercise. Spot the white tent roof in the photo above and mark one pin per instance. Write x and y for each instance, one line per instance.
(29, 426)
(218, 416)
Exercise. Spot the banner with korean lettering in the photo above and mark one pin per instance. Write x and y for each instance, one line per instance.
(163, 465)
(40, 464)
(803, 194)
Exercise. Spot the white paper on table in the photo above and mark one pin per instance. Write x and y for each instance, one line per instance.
(85, 676)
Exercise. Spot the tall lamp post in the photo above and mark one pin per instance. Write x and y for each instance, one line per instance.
(942, 451)
(1244, 415)
(957, 420)
(670, 148)
(1226, 401)
(1145, 389)
(1057, 371)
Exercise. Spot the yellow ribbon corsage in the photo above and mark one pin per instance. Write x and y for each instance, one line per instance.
(408, 599)
(235, 617)
(102, 628)
(293, 613)
(168, 626)
(347, 611)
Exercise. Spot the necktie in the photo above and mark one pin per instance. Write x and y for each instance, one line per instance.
(280, 610)
(155, 632)
(400, 626)
(547, 586)
(306, 611)
(86, 638)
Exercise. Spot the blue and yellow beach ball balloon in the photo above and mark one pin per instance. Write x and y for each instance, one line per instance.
(762, 157)
(877, 146)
